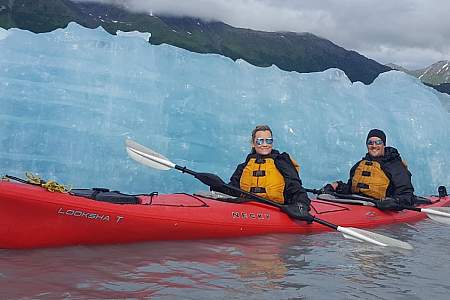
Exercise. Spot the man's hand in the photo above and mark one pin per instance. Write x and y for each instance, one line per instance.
(328, 189)
(299, 211)
(389, 203)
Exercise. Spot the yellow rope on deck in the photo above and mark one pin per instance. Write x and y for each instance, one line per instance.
(51, 185)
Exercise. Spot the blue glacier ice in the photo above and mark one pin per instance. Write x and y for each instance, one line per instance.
(70, 98)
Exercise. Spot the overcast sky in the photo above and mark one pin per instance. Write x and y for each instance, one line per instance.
(411, 33)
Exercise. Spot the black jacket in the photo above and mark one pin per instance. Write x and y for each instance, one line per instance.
(293, 190)
(400, 186)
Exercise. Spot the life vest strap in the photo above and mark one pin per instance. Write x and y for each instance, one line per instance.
(259, 173)
(257, 189)
(362, 185)
(260, 160)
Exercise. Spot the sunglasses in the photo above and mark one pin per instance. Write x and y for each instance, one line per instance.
(260, 141)
(377, 142)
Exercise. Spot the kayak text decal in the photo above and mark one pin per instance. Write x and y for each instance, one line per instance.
(244, 215)
(88, 215)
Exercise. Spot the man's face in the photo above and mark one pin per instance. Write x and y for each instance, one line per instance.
(375, 147)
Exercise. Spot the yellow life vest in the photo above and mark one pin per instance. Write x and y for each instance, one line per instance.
(370, 180)
(264, 179)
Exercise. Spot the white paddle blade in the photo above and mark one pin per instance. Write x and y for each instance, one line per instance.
(332, 198)
(438, 214)
(443, 220)
(372, 237)
(145, 161)
(136, 146)
(148, 157)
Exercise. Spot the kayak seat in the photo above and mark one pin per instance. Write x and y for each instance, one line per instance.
(105, 195)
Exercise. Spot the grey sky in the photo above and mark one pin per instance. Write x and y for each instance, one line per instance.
(411, 33)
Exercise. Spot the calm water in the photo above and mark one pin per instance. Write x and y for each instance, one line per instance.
(322, 266)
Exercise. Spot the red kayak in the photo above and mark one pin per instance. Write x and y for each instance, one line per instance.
(33, 217)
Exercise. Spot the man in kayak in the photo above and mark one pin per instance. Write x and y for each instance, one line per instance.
(272, 175)
(380, 174)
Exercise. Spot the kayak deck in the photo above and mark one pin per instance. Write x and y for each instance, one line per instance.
(32, 217)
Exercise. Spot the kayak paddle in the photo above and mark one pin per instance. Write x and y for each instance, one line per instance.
(438, 214)
(155, 160)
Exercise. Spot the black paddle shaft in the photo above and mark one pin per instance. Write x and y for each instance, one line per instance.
(209, 179)
(265, 201)
(361, 198)
(185, 170)
(213, 180)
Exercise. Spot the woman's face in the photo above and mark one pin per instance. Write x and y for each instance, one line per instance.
(263, 142)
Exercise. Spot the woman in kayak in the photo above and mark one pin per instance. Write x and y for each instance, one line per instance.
(381, 174)
(272, 175)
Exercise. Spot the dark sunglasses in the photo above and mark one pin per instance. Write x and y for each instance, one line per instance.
(260, 141)
(377, 142)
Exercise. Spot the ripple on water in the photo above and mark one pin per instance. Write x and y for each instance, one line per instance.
(267, 267)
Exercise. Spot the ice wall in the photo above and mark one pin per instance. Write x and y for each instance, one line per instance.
(69, 98)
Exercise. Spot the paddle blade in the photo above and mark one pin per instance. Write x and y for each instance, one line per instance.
(372, 237)
(136, 146)
(444, 220)
(145, 161)
(333, 198)
(438, 214)
(147, 156)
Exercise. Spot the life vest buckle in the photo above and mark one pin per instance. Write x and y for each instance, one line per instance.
(362, 185)
(257, 190)
(259, 173)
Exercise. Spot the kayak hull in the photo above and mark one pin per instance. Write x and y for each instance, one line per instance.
(32, 217)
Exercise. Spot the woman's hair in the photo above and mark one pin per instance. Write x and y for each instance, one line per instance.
(260, 128)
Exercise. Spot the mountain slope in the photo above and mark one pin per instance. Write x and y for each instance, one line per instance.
(301, 52)
(443, 87)
(399, 68)
(437, 73)
(436, 76)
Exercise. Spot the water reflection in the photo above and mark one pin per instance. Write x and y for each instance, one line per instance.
(264, 263)
(266, 267)
(143, 270)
